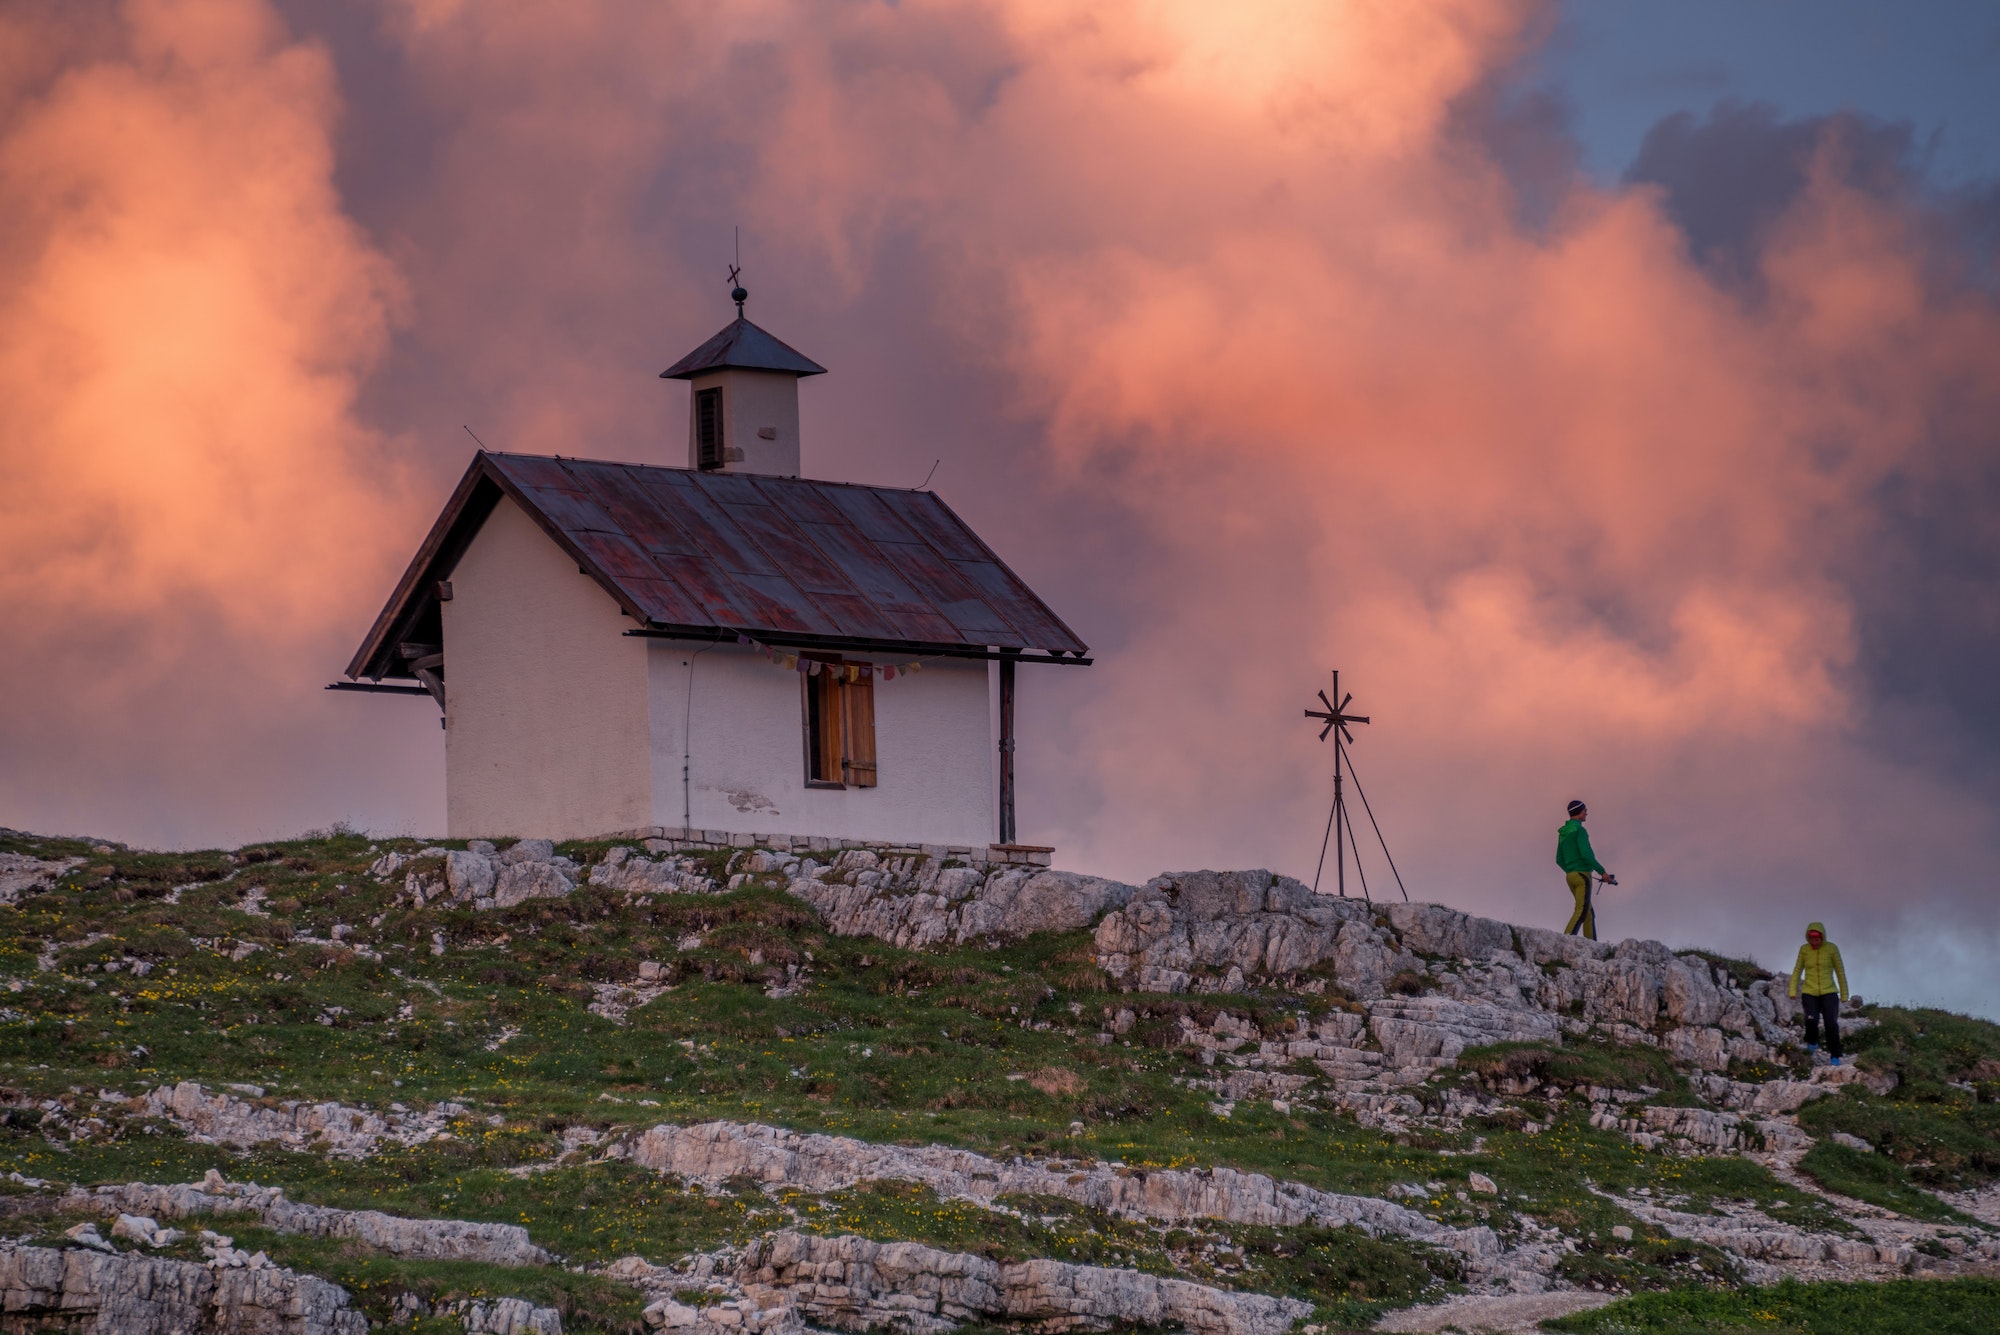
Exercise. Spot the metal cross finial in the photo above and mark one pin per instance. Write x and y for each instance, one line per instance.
(1335, 716)
(737, 292)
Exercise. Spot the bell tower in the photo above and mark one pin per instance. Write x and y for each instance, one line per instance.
(743, 405)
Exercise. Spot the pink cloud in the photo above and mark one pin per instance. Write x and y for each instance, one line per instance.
(186, 316)
(1573, 515)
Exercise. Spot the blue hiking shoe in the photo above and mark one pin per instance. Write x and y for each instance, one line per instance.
(1811, 1048)
(1836, 1061)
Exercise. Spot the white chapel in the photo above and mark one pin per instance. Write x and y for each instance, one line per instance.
(715, 651)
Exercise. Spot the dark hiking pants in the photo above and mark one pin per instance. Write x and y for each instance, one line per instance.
(1822, 1006)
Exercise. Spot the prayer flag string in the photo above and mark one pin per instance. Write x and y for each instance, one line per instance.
(849, 672)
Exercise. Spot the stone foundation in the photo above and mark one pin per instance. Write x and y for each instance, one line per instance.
(670, 839)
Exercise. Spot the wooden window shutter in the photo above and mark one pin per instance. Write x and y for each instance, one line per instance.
(828, 742)
(858, 764)
(708, 428)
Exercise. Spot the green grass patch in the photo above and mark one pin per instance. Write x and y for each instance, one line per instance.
(37, 846)
(1874, 1178)
(1571, 1066)
(1900, 1307)
(1316, 1263)
(1566, 1174)
(592, 1214)
(1651, 1261)
(374, 1280)
(1948, 1141)
(1350, 1277)
(1939, 1127)
(1924, 1047)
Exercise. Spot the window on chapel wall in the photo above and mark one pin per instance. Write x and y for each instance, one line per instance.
(840, 725)
(708, 427)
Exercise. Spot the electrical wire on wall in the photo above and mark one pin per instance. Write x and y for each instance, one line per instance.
(687, 745)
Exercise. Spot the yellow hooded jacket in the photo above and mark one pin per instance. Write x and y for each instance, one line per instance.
(1816, 970)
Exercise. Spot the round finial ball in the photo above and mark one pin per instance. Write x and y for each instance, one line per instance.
(739, 296)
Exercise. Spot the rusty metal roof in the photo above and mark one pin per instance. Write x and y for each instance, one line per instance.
(742, 346)
(786, 560)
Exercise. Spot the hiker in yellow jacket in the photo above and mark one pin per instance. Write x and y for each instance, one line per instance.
(1819, 981)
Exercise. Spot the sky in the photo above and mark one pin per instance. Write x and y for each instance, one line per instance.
(1607, 390)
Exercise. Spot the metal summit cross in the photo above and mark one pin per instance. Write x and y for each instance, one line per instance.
(1339, 830)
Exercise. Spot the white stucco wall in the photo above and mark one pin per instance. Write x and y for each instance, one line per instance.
(747, 762)
(751, 402)
(560, 726)
(545, 725)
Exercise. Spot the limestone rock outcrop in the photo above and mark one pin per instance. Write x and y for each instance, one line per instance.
(84, 1291)
(1785, 1095)
(854, 1284)
(1223, 932)
(699, 1295)
(484, 877)
(736, 1316)
(21, 874)
(422, 1239)
(1212, 931)
(920, 902)
(621, 869)
(342, 1130)
(502, 1316)
(1423, 1032)
(715, 1152)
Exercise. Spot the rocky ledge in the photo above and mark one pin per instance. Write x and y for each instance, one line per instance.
(714, 1153)
(246, 1119)
(21, 874)
(419, 1239)
(780, 1283)
(84, 1291)
(1426, 980)
(854, 1284)
(92, 1285)
(481, 876)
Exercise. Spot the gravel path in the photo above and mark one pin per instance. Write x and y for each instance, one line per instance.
(1498, 1315)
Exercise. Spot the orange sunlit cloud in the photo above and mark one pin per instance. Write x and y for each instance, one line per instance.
(187, 316)
(1572, 513)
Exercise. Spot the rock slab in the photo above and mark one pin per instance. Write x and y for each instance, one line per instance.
(855, 1284)
(87, 1292)
(420, 1239)
(715, 1152)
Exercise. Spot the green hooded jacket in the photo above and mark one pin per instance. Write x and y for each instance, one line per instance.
(1573, 849)
(1816, 970)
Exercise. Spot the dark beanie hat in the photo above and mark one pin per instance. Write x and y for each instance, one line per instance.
(1575, 807)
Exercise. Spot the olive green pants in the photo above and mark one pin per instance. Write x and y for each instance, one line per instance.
(1585, 917)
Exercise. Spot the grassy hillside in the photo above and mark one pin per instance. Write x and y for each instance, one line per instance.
(286, 970)
(1902, 1307)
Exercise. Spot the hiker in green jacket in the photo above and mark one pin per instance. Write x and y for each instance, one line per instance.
(1573, 855)
(1819, 981)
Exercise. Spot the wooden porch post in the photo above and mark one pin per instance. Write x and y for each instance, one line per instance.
(1006, 750)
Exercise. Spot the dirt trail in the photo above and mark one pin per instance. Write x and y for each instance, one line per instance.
(1501, 1314)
